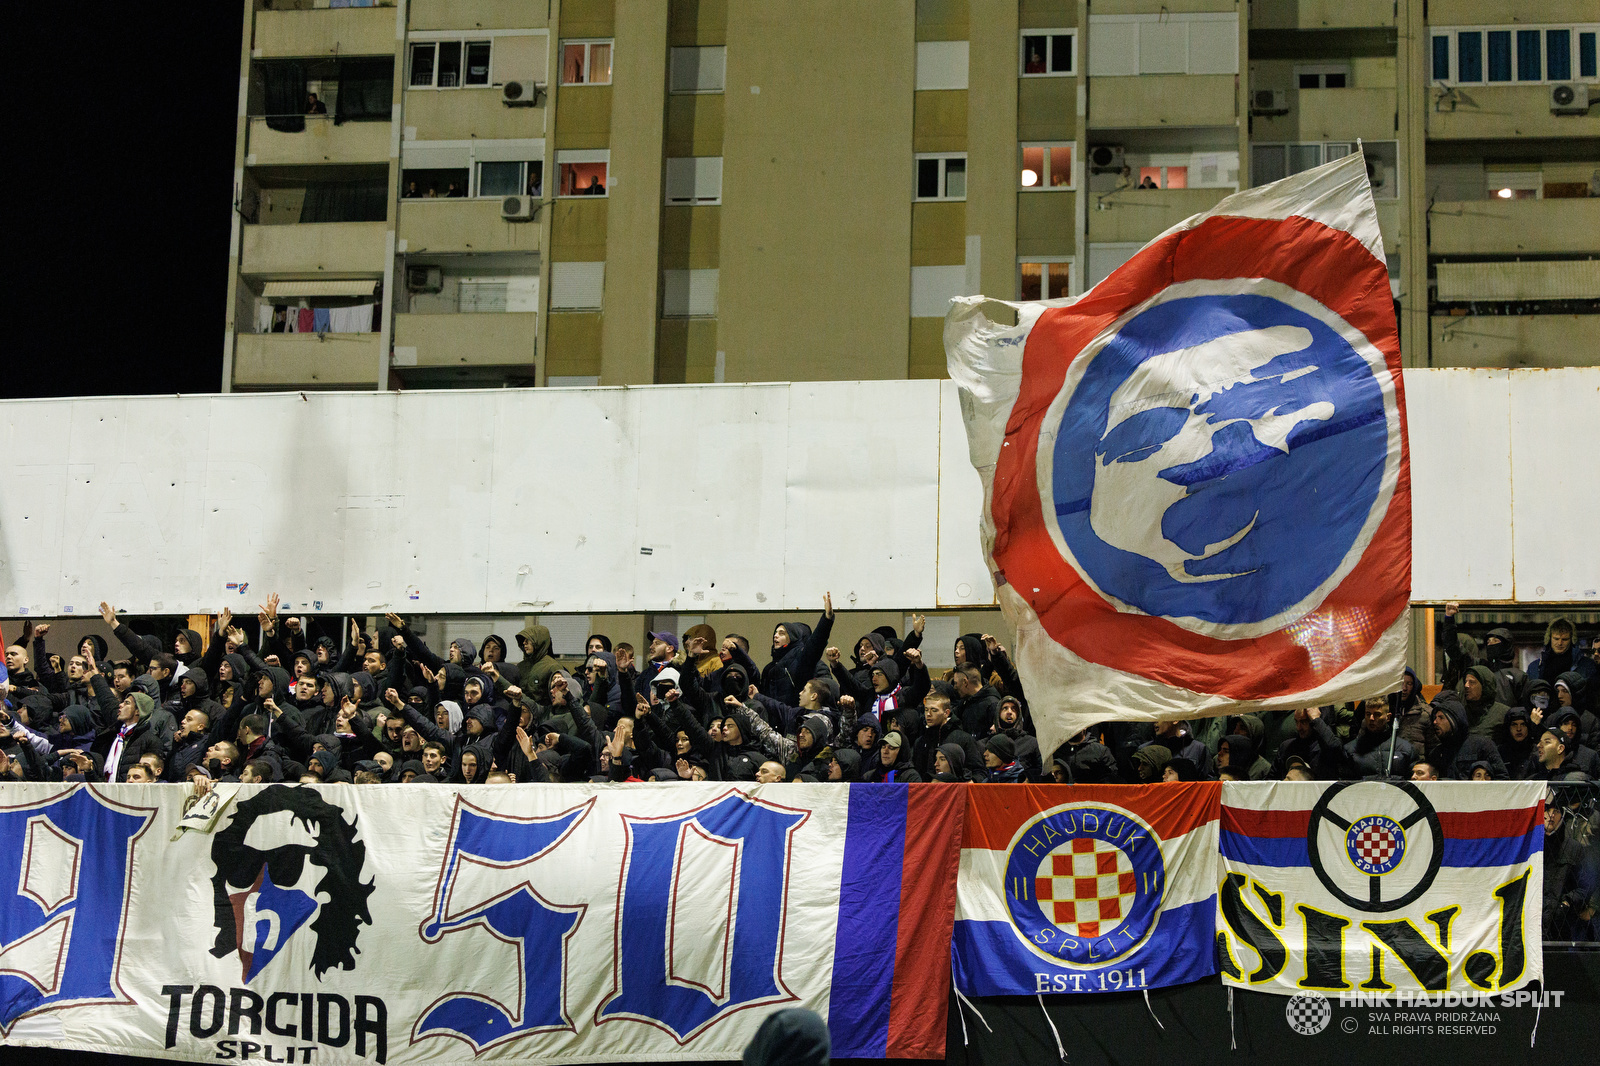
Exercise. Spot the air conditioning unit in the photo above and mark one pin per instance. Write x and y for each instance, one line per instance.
(1269, 101)
(1569, 99)
(520, 93)
(1104, 158)
(424, 279)
(519, 208)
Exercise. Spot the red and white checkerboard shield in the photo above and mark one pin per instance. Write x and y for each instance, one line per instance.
(1088, 886)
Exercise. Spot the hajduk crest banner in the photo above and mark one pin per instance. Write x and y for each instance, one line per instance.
(1196, 491)
(344, 924)
(1372, 886)
(1086, 888)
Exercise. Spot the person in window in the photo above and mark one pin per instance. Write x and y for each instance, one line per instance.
(411, 190)
(433, 192)
(1149, 183)
(535, 181)
(1035, 61)
(315, 106)
(595, 188)
(453, 190)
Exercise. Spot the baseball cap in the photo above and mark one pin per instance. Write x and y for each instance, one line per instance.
(1297, 761)
(893, 740)
(668, 674)
(667, 638)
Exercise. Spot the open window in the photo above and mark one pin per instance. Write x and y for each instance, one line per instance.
(1322, 75)
(583, 172)
(1046, 166)
(586, 62)
(941, 176)
(1048, 53)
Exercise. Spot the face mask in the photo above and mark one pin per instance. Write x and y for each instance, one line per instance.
(1541, 700)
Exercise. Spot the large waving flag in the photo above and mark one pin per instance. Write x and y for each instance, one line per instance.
(1366, 885)
(1086, 888)
(1196, 492)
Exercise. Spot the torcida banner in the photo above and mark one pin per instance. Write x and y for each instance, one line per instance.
(341, 924)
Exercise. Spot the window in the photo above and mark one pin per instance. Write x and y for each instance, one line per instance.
(699, 70)
(688, 293)
(1047, 53)
(1271, 162)
(576, 286)
(1046, 166)
(1166, 43)
(428, 183)
(582, 172)
(510, 178)
(941, 177)
(941, 65)
(1164, 177)
(449, 64)
(694, 180)
(1524, 54)
(1515, 184)
(1044, 278)
(1322, 76)
(586, 62)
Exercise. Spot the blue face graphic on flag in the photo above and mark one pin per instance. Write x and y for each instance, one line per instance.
(268, 916)
(1219, 459)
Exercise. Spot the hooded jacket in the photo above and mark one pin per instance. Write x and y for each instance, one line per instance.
(1088, 761)
(1516, 755)
(1242, 757)
(797, 662)
(1368, 754)
(1151, 760)
(1487, 713)
(1551, 664)
(1454, 753)
(1583, 757)
(956, 756)
(537, 663)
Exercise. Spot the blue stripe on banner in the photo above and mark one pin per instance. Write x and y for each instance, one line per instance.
(1458, 851)
(869, 921)
(991, 959)
(1265, 851)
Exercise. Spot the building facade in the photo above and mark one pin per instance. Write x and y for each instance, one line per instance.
(565, 192)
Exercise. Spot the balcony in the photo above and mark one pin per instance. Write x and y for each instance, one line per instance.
(435, 225)
(1163, 100)
(1492, 112)
(1513, 227)
(345, 31)
(1320, 14)
(1515, 340)
(317, 249)
(306, 360)
(464, 114)
(484, 339)
(1331, 115)
(322, 141)
(1137, 215)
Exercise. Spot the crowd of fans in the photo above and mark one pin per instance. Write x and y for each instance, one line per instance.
(377, 707)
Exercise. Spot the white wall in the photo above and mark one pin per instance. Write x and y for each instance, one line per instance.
(667, 498)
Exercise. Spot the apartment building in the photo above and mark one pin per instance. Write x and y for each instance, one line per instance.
(549, 192)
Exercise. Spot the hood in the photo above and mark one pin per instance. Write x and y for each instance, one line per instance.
(494, 638)
(890, 670)
(957, 757)
(791, 1037)
(365, 680)
(241, 669)
(202, 684)
(1241, 752)
(1574, 681)
(327, 760)
(538, 638)
(866, 721)
(1563, 619)
(100, 646)
(877, 641)
(329, 742)
(311, 661)
(1253, 726)
(849, 764)
(468, 650)
(1503, 653)
(194, 647)
(145, 704)
(799, 633)
(1490, 683)
(149, 686)
(605, 641)
(977, 654)
(1154, 758)
(821, 730)
(281, 684)
(1452, 705)
(1565, 714)
(341, 687)
(484, 714)
(456, 717)
(330, 645)
(77, 716)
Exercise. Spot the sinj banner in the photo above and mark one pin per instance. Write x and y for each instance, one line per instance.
(339, 924)
(1369, 887)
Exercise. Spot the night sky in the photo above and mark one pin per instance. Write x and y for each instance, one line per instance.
(122, 157)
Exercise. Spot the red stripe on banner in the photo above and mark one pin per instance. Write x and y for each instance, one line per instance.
(1469, 825)
(995, 815)
(919, 1004)
(1265, 823)
(1295, 252)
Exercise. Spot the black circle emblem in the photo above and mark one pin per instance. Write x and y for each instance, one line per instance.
(1374, 901)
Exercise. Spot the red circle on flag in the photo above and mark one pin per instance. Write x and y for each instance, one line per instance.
(1327, 265)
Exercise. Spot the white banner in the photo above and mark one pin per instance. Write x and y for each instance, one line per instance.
(1370, 886)
(341, 924)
